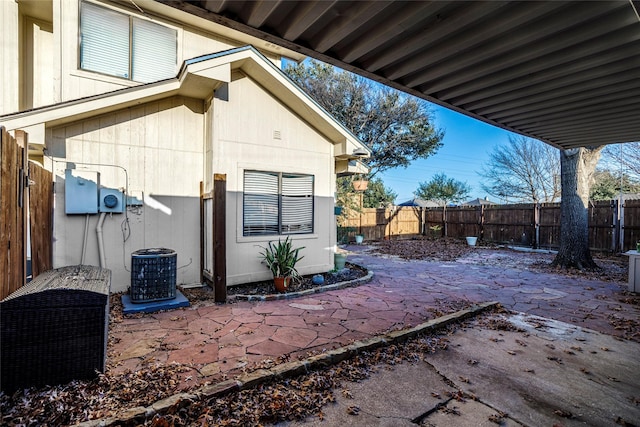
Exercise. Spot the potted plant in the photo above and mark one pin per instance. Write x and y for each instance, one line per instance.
(281, 258)
(359, 239)
(360, 184)
(339, 259)
(471, 240)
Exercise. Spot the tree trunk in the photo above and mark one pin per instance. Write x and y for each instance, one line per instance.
(577, 167)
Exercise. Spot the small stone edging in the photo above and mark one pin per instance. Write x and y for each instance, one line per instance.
(284, 370)
(341, 285)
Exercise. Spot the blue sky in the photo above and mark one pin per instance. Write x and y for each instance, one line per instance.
(466, 146)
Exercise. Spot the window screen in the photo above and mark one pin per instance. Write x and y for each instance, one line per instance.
(277, 203)
(119, 45)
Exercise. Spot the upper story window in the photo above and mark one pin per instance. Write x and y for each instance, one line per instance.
(124, 46)
(277, 203)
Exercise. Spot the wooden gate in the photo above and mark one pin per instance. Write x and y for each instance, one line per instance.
(26, 209)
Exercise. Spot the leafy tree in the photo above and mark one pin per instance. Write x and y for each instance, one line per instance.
(607, 185)
(397, 127)
(443, 190)
(377, 195)
(524, 170)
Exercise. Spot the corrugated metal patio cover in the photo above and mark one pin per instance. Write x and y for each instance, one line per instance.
(566, 72)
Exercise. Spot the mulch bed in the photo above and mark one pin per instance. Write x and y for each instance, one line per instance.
(266, 287)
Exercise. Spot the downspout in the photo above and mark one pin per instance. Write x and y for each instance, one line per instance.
(103, 260)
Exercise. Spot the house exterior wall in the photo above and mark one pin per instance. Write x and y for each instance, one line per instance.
(37, 68)
(10, 64)
(251, 130)
(160, 145)
(41, 58)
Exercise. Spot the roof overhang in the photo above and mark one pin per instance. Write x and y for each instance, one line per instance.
(564, 72)
(198, 78)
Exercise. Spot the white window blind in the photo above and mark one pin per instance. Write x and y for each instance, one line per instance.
(297, 204)
(119, 45)
(261, 203)
(104, 41)
(276, 203)
(154, 51)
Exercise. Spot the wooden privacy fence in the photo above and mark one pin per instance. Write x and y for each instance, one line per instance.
(612, 227)
(26, 209)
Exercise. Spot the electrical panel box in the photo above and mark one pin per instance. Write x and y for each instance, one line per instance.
(81, 191)
(111, 200)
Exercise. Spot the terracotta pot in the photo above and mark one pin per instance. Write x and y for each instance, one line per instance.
(360, 185)
(281, 284)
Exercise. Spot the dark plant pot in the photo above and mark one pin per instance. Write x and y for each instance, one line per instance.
(337, 210)
(281, 284)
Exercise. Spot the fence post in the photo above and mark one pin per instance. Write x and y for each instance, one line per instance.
(615, 225)
(481, 231)
(22, 138)
(621, 225)
(444, 220)
(219, 237)
(536, 225)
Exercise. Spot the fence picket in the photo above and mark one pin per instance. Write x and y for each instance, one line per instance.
(533, 225)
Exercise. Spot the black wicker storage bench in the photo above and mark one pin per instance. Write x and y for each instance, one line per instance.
(55, 328)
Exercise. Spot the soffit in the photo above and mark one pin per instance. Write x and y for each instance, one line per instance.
(565, 72)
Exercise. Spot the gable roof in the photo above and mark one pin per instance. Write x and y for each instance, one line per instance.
(421, 203)
(197, 78)
(479, 202)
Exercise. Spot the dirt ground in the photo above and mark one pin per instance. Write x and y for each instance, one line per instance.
(613, 267)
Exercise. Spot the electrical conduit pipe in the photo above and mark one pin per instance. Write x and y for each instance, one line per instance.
(103, 259)
(84, 240)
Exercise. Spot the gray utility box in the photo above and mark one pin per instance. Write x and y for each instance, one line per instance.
(54, 329)
(81, 191)
(634, 271)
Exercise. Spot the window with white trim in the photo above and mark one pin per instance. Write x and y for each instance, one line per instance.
(121, 45)
(277, 203)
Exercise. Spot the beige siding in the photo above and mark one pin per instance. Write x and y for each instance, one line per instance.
(160, 146)
(79, 83)
(243, 138)
(40, 59)
(38, 64)
(9, 73)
